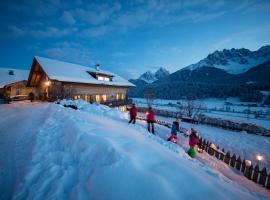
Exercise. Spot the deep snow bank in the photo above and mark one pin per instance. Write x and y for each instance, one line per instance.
(92, 153)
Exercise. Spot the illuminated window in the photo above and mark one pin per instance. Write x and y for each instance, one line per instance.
(117, 96)
(122, 108)
(104, 97)
(103, 78)
(98, 98)
(77, 97)
(123, 96)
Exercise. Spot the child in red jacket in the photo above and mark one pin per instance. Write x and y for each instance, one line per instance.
(150, 118)
(193, 141)
(133, 114)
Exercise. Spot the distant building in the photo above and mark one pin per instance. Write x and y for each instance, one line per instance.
(53, 79)
(13, 82)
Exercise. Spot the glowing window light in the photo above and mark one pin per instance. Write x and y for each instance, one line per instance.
(104, 97)
(47, 83)
(103, 78)
(97, 98)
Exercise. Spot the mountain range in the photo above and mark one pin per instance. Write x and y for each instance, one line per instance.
(227, 73)
(150, 77)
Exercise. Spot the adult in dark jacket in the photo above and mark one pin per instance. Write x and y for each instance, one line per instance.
(175, 128)
(133, 114)
(150, 118)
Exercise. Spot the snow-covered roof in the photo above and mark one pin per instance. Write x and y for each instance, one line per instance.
(69, 72)
(18, 75)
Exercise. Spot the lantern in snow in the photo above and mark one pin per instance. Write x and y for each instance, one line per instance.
(199, 150)
(248, 163)
(259, 158)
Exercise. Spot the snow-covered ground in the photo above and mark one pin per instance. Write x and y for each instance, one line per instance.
(217, 108)
(52, 152)
(247, 146)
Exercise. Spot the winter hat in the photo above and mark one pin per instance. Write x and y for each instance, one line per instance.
(193, 131)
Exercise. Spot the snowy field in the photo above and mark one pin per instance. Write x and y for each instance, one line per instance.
(51, 152)
(212, 108)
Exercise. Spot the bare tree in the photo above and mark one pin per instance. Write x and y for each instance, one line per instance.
(189, 107)
(149, 95)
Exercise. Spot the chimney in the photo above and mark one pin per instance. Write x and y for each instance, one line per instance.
(11, 72)
(97, 67)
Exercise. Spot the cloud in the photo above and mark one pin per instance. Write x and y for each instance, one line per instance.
(16, 31)
(71, 52)
(121, 54)
(68, 18)
(97, 14)
(96, 31)
(123, 69)
(222, 44)
(52, 32)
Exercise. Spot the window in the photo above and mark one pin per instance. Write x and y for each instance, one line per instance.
(122, 108)
(120, 96)
(97, 98)
(104, 97)
(103, 78)
(77, 97)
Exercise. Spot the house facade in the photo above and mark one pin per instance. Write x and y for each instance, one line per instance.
(13, 83)
(53, 79)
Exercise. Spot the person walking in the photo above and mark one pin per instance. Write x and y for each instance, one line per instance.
(133, 114)
(175, 128)
(150, 118)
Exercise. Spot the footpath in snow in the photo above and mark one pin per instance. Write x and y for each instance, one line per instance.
(52, 152)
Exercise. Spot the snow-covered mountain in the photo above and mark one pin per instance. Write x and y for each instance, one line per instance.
(150, 77)
(161, 73)
(234, 61)
(229, 73)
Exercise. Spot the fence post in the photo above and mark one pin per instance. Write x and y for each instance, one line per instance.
(243, 168)
(222, 155)
(268, 182)
(248, 171)
(256, 173)
(238, 163)
(206, 146)
(263, 176)
(227, 158)
(203, 145)
(233, 159)
(217, 153)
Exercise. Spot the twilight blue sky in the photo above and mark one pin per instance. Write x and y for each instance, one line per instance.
(129, 37)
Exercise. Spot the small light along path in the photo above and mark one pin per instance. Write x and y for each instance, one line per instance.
(163, 131)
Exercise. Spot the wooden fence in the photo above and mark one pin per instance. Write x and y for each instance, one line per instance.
(251, 172)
